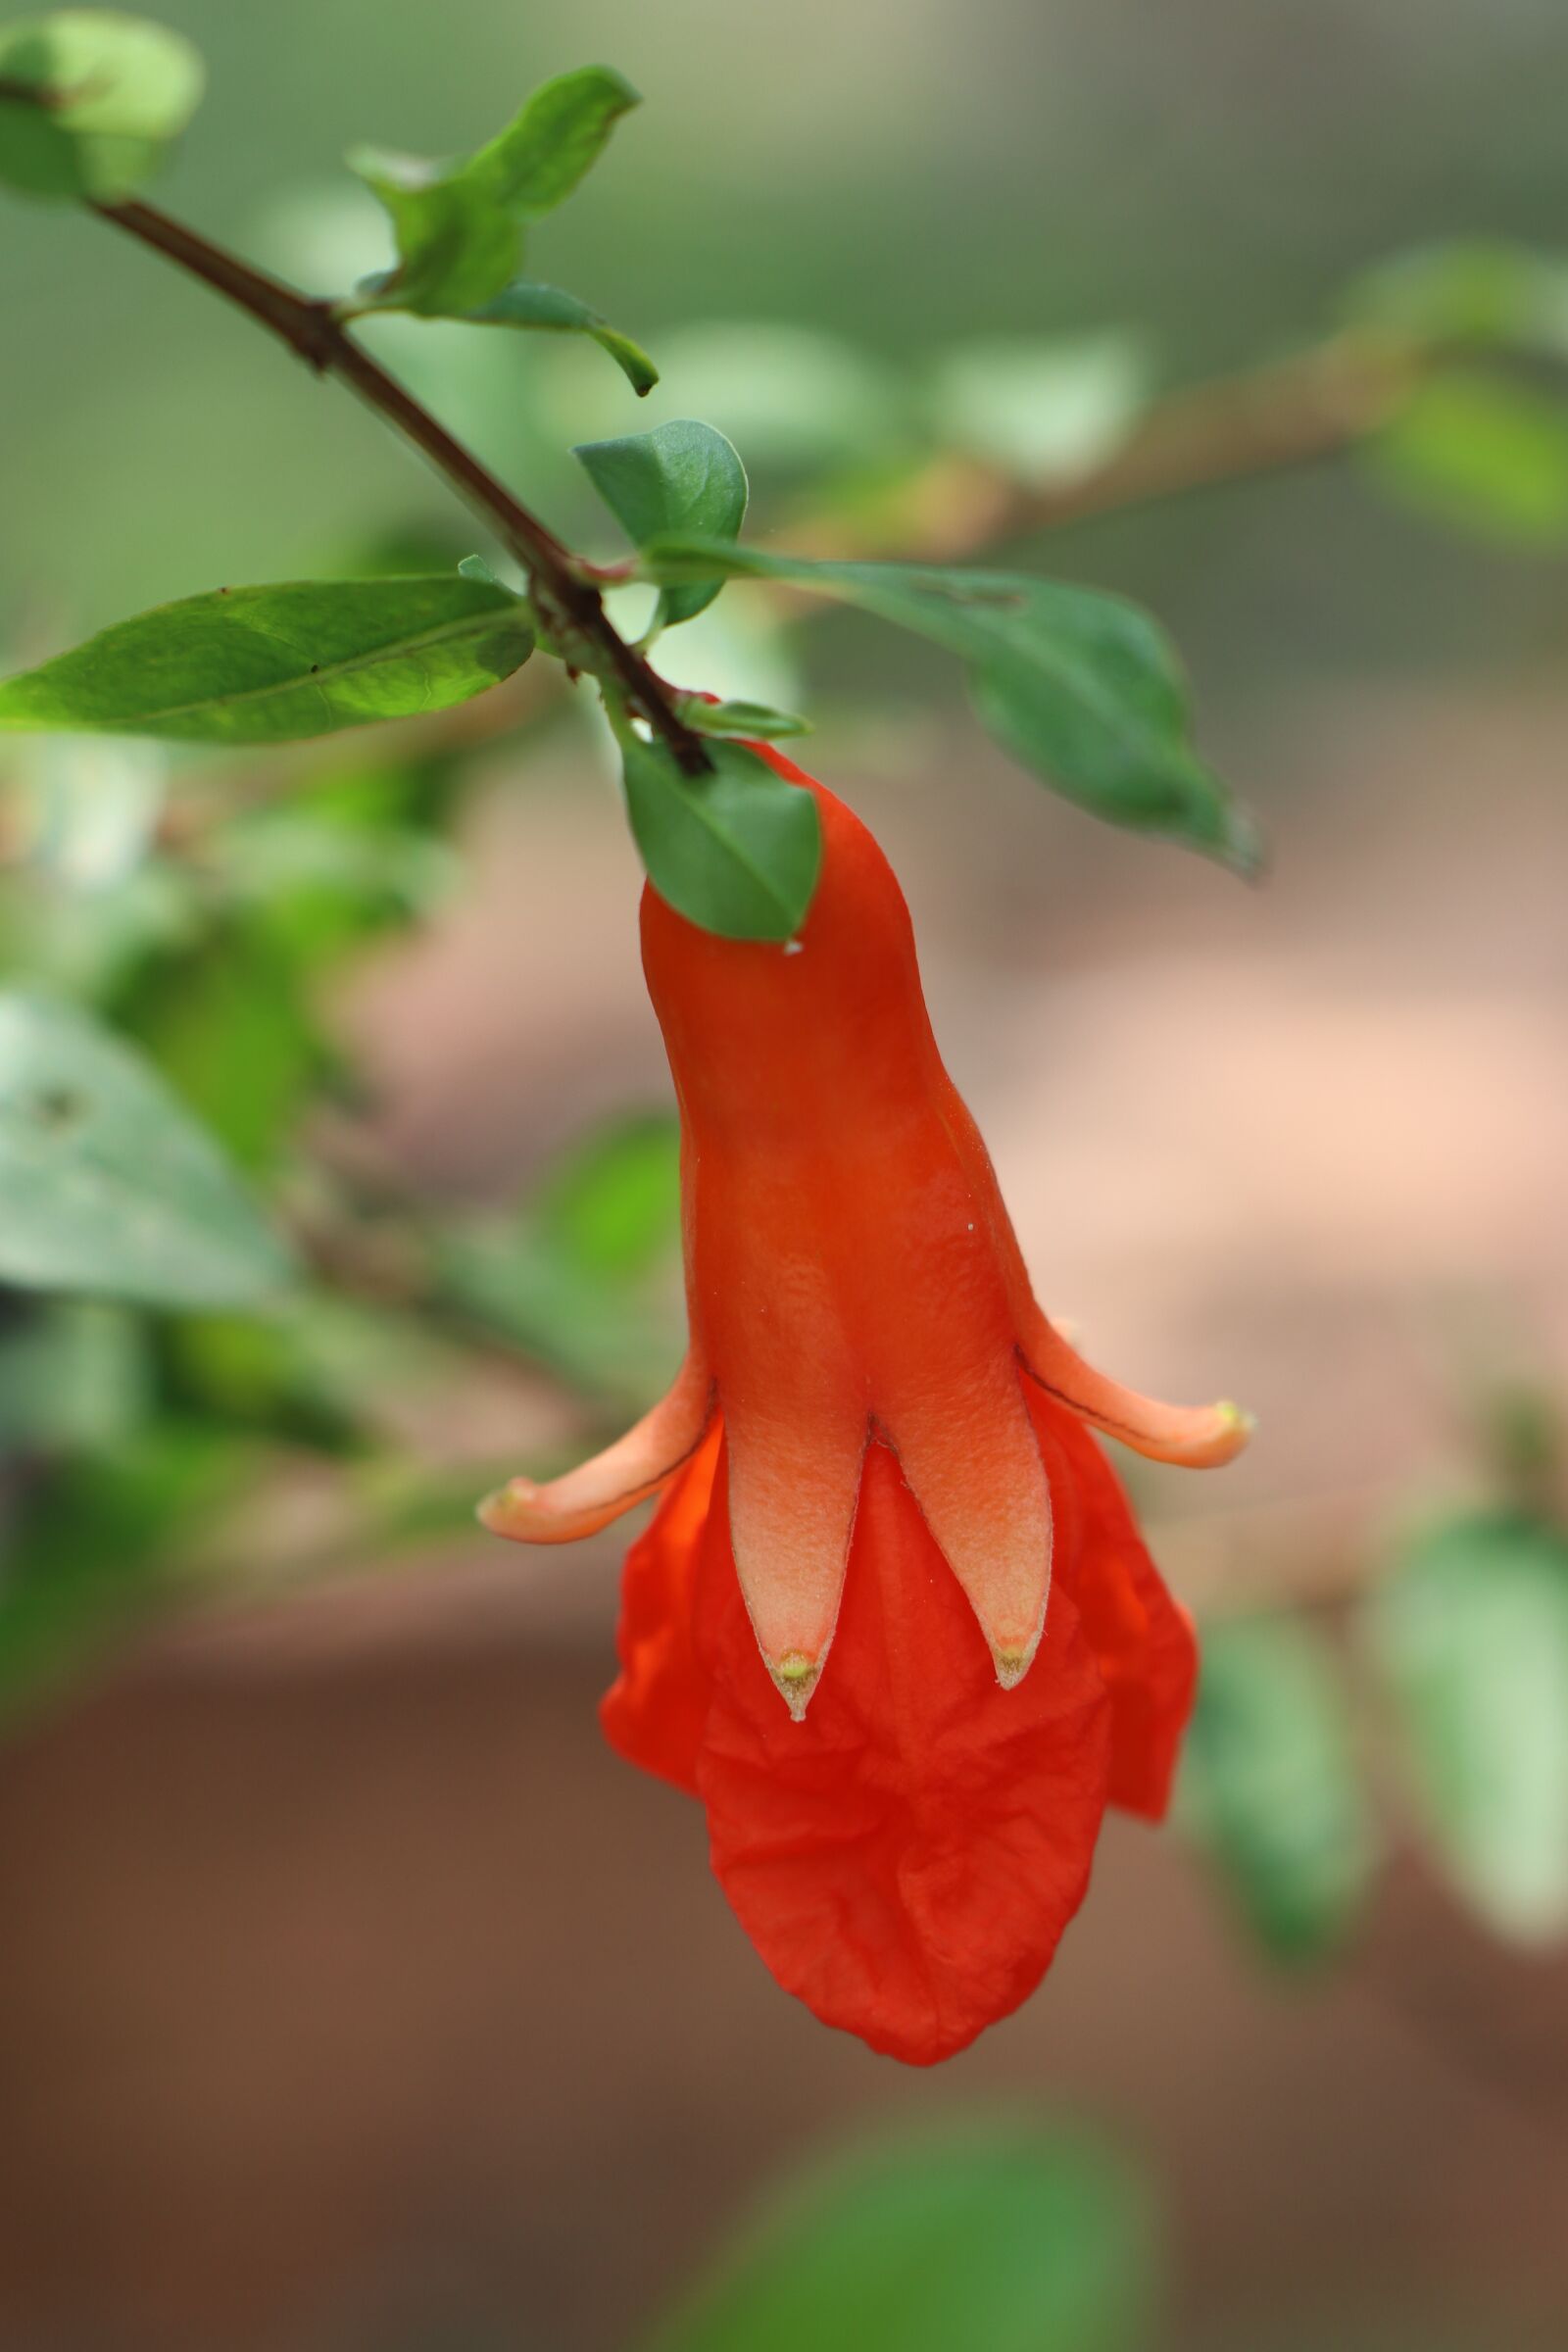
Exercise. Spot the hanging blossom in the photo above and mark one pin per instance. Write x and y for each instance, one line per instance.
(893, 1622)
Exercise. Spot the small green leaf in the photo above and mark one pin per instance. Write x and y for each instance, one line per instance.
(736, 851)
(1470, 1635)
(459, 225)
(548, 309)
(90, 101)
(1481, 451)
(455, 249)
(1082, 688)
(683, 477)
(106, 1183)
(1000, 2237)
(1045, 411)
(757, 721)
(557, 137)
(1270, 1784)
(268, 664)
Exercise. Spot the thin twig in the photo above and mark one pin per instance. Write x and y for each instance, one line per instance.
(568, 602)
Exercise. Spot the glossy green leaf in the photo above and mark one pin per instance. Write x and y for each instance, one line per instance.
(90, 101)
(1045, 412)
(1483, 451)
(682, 477)
(527, 303)
(736, 851)
(267, 665)
(107, 1184)
(1270, 1784)
(1470, 1635)
(1081, 687)
(460, 227)
(998, 2237)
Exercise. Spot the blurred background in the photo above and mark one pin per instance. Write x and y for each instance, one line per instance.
(351, 1994)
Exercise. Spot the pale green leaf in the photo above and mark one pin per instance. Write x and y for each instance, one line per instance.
(1470, 1635)
(107, 1184)
(1270, 1784)
(549, 310)
(682, 477)
(90, 101)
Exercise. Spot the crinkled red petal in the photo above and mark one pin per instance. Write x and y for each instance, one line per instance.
(1142, 1639)
(655, 1711)
(906, 1858)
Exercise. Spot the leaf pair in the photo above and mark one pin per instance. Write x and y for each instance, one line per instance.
(460, 227)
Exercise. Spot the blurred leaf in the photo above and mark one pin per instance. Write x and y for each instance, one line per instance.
(90, 101)
(736, 851)
(73, 1374)
(268, 664)
(1004, 2237)
(459, 225)
(1044, 411)
(106, 1182)
(1270, 1784)
(1471, 1636)
(1483, 451)
(1486, 296)
(98, 1547)
(612, 1205)
(527, 303)
(581, 1278)
(680, 477)
(756, 721)
(1082, 688)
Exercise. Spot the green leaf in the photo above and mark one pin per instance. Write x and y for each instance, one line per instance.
(757, 721)
(456, 249)
(106, 1183)
(1082, 688)
(527, 303)
(559, 137)
(1483, 451)
(1470, 1635)
(580, 1278)
(90, 101)
(1470, 293)
(611, 1207)
(683, 477)
(459, 225)
(736, 851)
(1270, 1784)
(1005, 2237)
(1045, 411)
(270, 664)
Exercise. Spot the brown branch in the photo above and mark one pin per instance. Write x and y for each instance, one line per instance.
(568, 602)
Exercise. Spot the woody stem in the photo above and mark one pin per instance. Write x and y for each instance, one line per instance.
(571, 607)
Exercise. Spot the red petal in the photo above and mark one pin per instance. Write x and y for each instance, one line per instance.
(907, 1857)
(654, 1712)
(1141, 1636)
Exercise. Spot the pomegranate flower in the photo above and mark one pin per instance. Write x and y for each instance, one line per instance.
(893, 1622)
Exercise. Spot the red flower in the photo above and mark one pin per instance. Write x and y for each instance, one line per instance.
(877, 1445)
